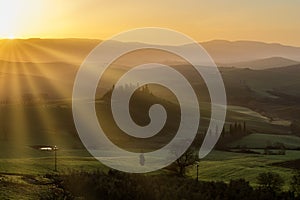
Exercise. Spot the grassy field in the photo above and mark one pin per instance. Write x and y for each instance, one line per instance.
(217, 166)
(22, 126)
(260, 140)
(255, 121)
(226, 166)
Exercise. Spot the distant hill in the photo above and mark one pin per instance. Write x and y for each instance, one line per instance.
(49, 66)
(267, 63)
(283, 79)
(46, 50)
(75, 50)
(19, 78)
(223, 51)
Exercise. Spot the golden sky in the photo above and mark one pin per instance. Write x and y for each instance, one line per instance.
(261, 20)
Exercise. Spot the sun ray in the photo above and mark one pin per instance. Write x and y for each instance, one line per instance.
(23, 78)
(44, 117)
(66, 57)
(45, 112)
(62, 76)
(17, 122)
(3, 99)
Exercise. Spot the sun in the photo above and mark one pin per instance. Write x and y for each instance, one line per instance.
(11, 37)
(12, 16)
(8, 19)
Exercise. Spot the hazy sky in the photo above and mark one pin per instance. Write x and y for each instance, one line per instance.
(261, 20)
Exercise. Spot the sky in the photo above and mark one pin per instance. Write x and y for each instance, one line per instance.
(268, 21)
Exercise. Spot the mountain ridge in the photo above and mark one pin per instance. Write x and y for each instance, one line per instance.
(265, 63)
(75, 50)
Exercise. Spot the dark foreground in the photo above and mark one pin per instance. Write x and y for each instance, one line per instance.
(116, 185)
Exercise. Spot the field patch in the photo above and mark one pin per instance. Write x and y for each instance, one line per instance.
(261, 141)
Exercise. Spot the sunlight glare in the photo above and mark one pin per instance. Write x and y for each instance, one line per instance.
(15, 15)
(11, 37)
(9, 14)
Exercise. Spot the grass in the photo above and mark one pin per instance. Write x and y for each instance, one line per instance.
(255, 121)
(217, 166)
(260, 140)
(18, 159)
(225, 166)
(66, 161)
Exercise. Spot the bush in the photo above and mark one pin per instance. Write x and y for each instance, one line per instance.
(270, 181)
(117, 185)
(295, 183)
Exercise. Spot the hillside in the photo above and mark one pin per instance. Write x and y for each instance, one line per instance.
(75, 50)
(223, 51)
(269, 90)
(261, 141)
(46, 50)
(266, 63)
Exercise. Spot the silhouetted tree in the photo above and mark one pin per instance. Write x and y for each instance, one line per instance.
(244, 128)
(270, 181)
(239, 129)
(117, 185)
(235, 130)
(223, 132)
(295, 183)
(231, 129)
(187, 159)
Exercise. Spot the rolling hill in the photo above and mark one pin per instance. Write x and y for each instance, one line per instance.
(266, 63)
(223, 51)
(261, 141)
(75, 50)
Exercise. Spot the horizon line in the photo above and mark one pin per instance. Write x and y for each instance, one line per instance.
(98, 39)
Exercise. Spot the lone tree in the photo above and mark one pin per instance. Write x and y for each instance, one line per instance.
(295, 183)
(183, 162)
(270, 181)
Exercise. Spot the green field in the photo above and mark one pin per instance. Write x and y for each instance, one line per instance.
(22, 126)
(217, 166)
(25, 125)
(226, 166)
(256, 122)
(260, 141)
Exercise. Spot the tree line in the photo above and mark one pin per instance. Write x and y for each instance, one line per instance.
(117, 185)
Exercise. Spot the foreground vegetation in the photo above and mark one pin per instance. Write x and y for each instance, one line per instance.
(224, 174)
(117, 185)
